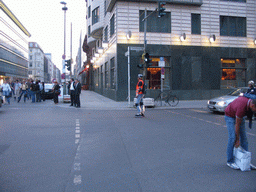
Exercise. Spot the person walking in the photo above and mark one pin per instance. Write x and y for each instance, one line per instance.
(24, 90)
(71, 88)
(77, 94)
(235, 121)
(140, 91)
(6, 91)
(56, 92)
(17, 87)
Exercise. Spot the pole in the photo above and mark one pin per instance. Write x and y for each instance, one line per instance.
(129, 79)
(145, 43)
(64, 87)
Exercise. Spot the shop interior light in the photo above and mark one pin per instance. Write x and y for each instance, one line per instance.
(183, 37)
(92, 61)
(254, 41)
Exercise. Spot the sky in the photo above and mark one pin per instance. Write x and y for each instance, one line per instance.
(44, 20)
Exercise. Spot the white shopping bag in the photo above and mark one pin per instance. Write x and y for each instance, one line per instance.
(242, 158)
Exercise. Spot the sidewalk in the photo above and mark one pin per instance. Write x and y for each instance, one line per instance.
(93, 100)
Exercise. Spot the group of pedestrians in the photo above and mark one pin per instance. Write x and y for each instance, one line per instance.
(74, 90)
(28, 89)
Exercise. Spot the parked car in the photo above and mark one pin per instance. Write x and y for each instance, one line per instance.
(48, 92)
(219, 104)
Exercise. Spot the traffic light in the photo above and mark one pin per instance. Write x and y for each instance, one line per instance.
(147, 60)
(161, 8)
(68, 64)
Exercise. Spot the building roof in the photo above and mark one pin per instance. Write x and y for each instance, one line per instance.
(8, 12)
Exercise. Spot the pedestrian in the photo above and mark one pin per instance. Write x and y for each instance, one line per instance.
(71, 88)
(251, 88)
(43, 92)
(29, 82)
(37, 91)
(77, 94)
(24, 90)
(56, 92)
(140, 91)
(235, 120)
(6, 91)
(17, 87)
(33, 91)
(40, 91)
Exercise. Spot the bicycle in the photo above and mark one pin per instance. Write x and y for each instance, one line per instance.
(166, 98)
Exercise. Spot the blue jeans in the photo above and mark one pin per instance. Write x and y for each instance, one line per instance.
(139, 101)
(22, 92)
(230, 122)
(32, 93)
(6, 94)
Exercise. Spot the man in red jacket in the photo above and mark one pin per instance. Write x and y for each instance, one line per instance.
(140, 91)
(234, 117)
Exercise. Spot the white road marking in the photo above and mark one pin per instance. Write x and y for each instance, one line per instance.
(77, 135)
(77, 179)
(77, 131)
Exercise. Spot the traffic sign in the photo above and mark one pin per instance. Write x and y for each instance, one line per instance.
(62, 76)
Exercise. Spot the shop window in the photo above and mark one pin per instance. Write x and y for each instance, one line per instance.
(233, 73)
(154, 72)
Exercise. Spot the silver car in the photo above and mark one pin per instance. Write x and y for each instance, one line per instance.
(219, 104)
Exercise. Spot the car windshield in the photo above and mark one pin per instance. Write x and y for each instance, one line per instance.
(238, 91)
(48, 86)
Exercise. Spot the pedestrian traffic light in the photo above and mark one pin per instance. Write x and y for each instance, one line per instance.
(161, 8)
(147, 60)
(68, 64)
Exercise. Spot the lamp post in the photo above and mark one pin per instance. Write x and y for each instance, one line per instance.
(64, 8)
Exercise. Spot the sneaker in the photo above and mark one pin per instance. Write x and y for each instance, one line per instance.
(253, 167)
(232, 165)
(138, 114)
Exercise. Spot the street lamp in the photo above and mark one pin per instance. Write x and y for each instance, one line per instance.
(64, 8)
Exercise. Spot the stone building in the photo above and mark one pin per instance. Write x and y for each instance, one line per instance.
(205, 47)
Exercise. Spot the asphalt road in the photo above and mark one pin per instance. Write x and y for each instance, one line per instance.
(57, 148)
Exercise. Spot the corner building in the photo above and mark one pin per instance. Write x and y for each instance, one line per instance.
(13, 46)
(208, 46)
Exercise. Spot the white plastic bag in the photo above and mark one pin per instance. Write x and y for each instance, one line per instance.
(242, 158)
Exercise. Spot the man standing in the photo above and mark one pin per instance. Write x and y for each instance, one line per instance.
(77, 93)
(234, 117)
(72, 91)
(140, 91)
(17, 89)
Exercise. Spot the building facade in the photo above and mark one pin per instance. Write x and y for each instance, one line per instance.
(13, 46)
(199, 48)
(41, 66)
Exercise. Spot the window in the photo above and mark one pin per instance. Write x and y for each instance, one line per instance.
(105, 7)
(156, 24)
(30, 72)
(195, 24)
(106, 33)
(106, 75)
(95, 16)
(89, 12)
(112, 25)
(30, 64)
(233, 26)
(89, 31)
(112, 73)
(233, 73)
(30, 57)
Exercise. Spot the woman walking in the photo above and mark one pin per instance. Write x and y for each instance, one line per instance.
(6, 91)
(56, 92)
